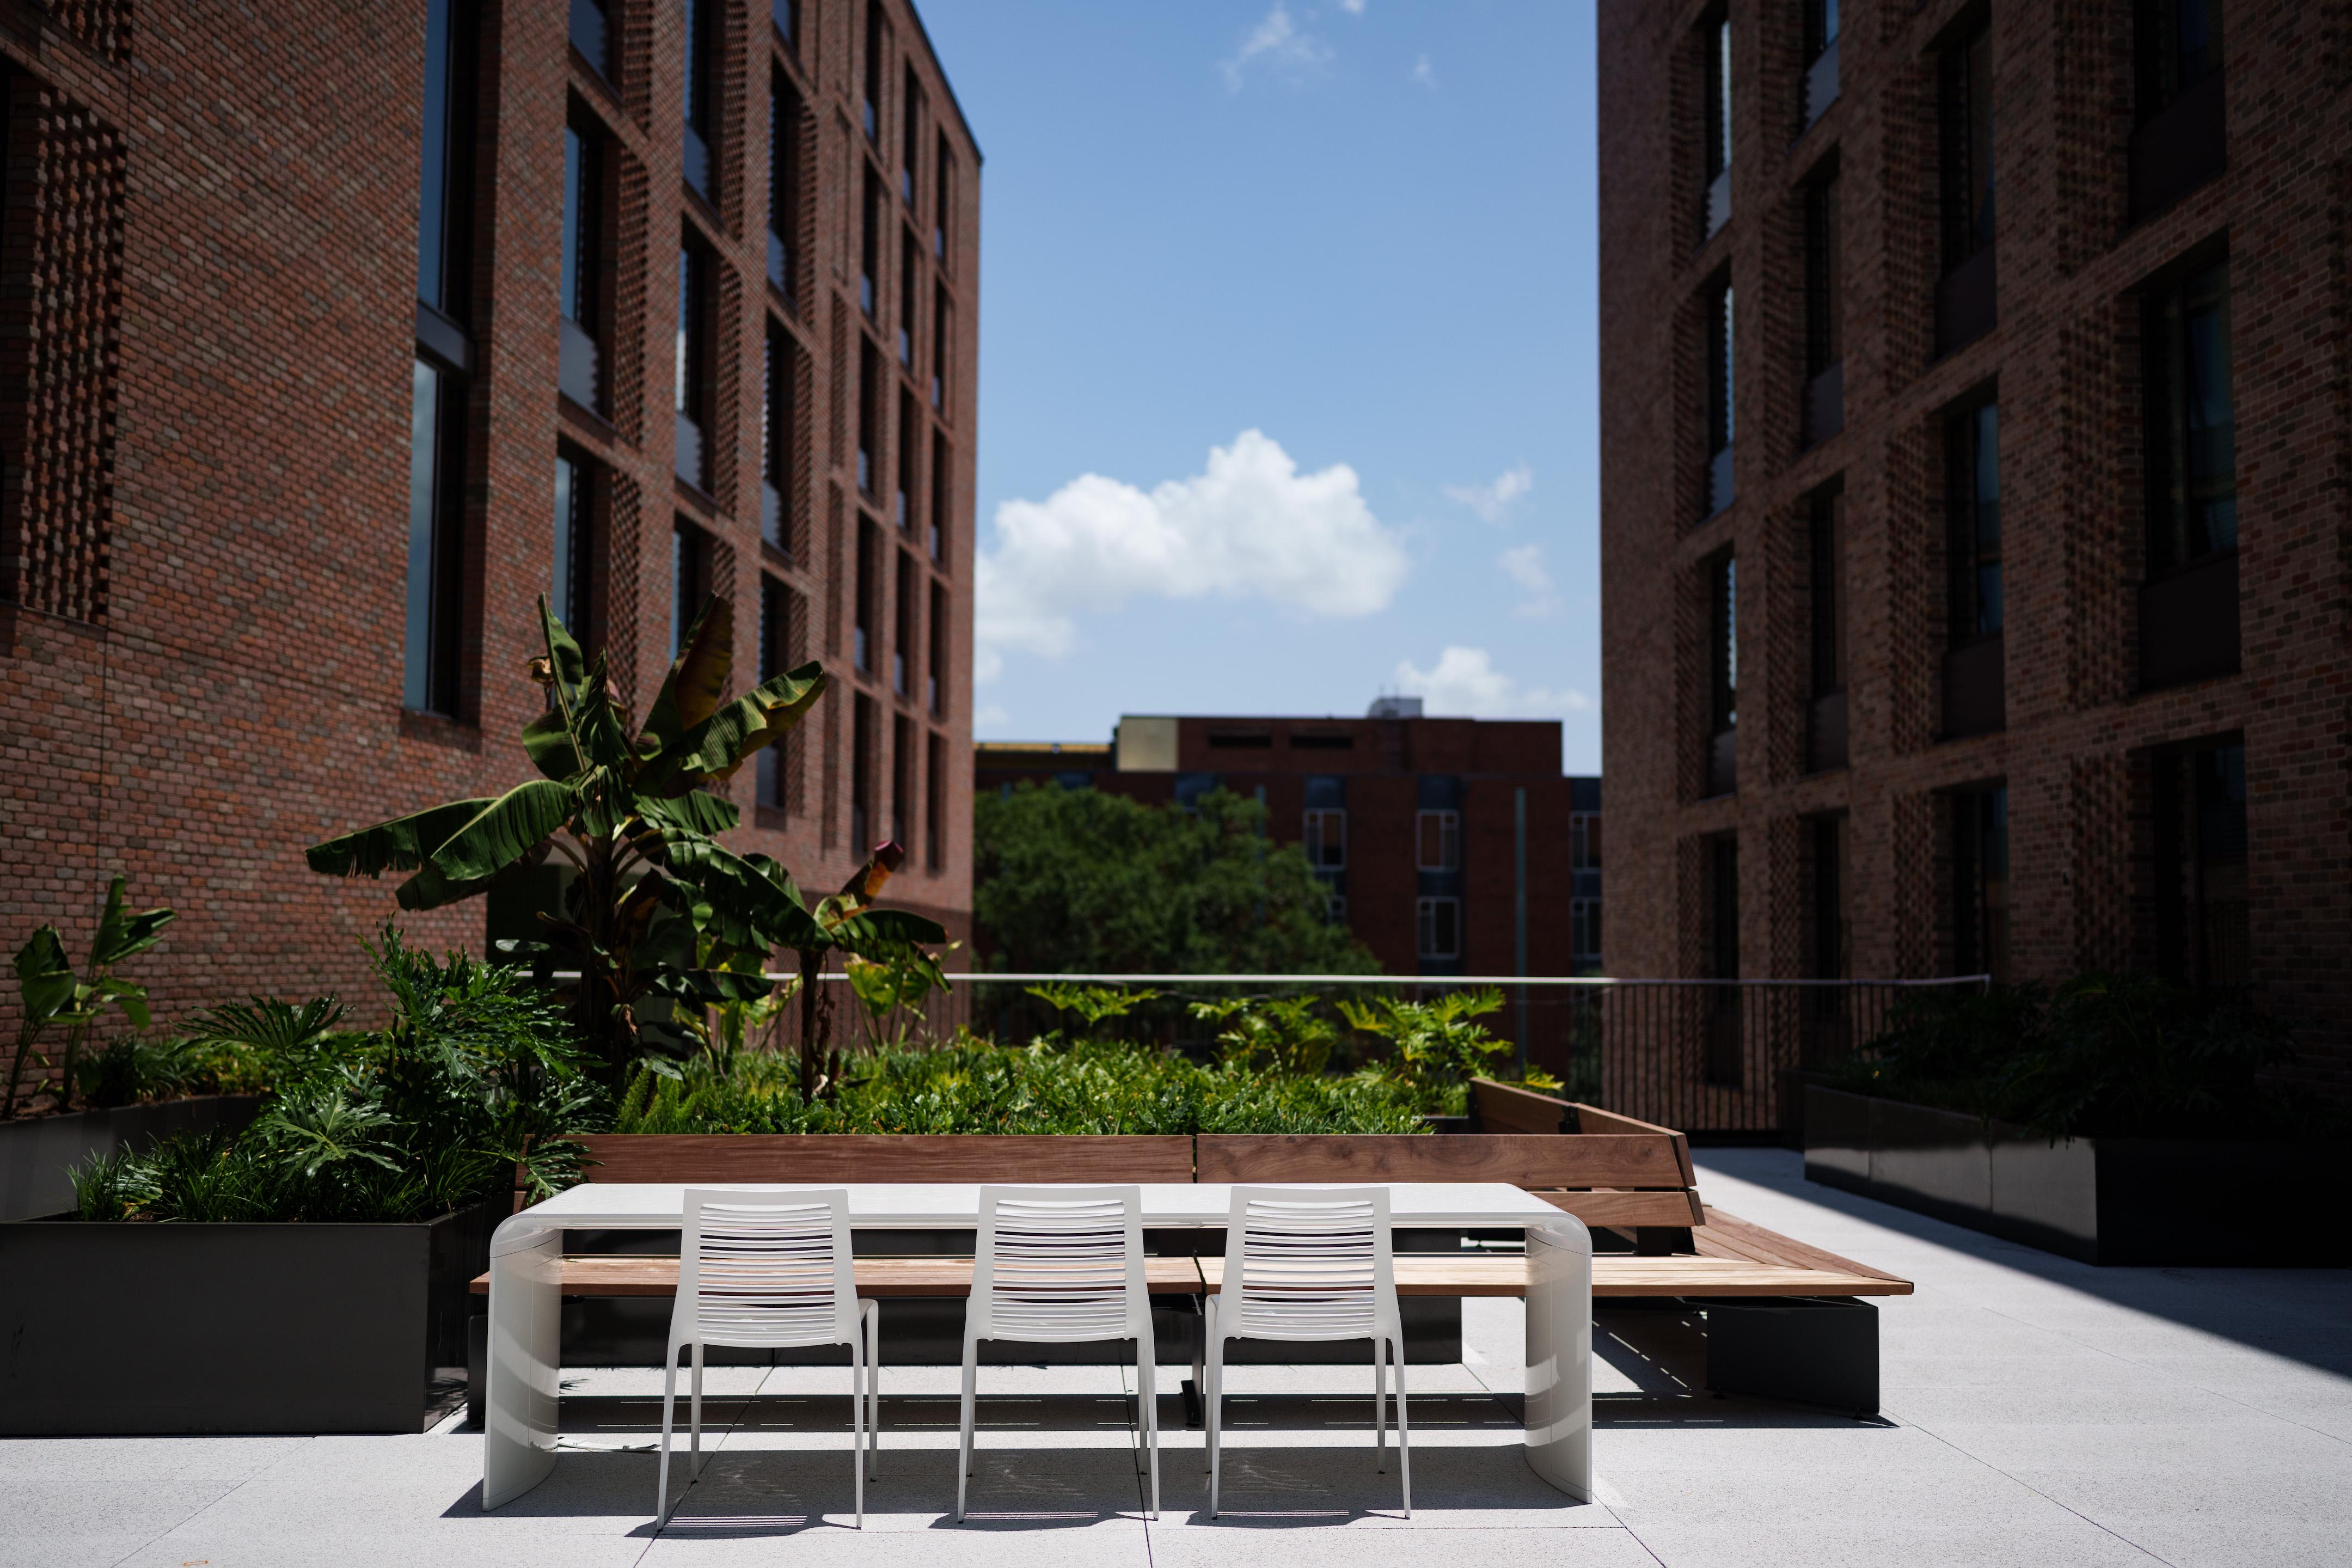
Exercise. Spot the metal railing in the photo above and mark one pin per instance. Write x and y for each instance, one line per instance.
(1700, 1056)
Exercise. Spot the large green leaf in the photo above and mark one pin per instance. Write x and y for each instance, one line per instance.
(712, 987)
(45, 981)
(402, 844)
(564, 658)
(697, 811)
(602, 732)
(713, 750)
(549, 744)
(698, 678)
(121, 935)
(903, 925)
(504, 831)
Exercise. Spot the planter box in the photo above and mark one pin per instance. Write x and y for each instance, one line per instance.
(37, 1152)
(2102, 1200)
(153, 1328)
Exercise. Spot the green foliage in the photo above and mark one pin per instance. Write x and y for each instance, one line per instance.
(977, 1087)
(2118, 1055)
(49, 995)
(1080, 881)
(1094, 1004)
(891, 984)
(475, 1073)
(1279, 1034)
(1435, 1047)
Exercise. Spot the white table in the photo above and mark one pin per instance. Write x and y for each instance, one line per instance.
(526, 1298)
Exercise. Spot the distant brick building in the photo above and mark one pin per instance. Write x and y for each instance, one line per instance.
(1449, 846)
(292, 437)
(1975, 570)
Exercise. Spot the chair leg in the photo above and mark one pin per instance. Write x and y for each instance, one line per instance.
(1380, 1402)
(1404, 1444)
(1215, 1396)
(964, 1436)
(694, 1422)
(1201, 1374)
(669, 1410)
(1147, 1382)
(858, 1372)
(870, 1320)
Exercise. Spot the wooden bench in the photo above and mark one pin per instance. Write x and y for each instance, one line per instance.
(798, 1158)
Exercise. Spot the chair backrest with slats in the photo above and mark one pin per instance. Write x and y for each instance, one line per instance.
(1059, 1264)
(1309, 1264)
(765, 1270)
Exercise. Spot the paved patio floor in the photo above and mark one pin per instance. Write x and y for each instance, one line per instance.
(2036, 1411)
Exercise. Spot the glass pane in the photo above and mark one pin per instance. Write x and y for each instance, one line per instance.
(433, 196)
(424, 505)
(558, 599)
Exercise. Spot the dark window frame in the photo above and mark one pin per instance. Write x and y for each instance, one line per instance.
(2192, 517)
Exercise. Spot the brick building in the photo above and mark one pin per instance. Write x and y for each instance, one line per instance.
(1975, 569)
(292, 436)
(1449, 846)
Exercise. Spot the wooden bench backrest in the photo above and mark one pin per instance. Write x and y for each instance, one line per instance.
(1507, 1108)
(883, 1157)
(1533, 1161)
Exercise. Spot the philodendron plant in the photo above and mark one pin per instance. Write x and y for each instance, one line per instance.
(637, 821)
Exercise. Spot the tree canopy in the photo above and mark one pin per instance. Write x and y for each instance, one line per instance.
(1081, 881)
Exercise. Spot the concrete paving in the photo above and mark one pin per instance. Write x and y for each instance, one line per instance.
(2035, 1411)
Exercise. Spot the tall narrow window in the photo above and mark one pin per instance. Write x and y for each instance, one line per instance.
(910, 136)
(902, 779)
(1714, 129)
(869, 590)
(786, 16)
(693, 366)
(1825, 734)
(592, 36)
(902, 643)
(1824, 313)
(941, 475)
(1824, 1013)
(700, 92)
(943, 349)
(1723, 1064)
(1326, 835)
(1723, 673)
(1974, 700)
(579, 369)
(1820, 83)
(877, 49)
(2200, 810)
(943, 174)
(2188, 604)
(1437, 841)
(1964, 298)
(1980, 822)
(1721, 387)
(783, 180)
(862, 736)
(689, 581)
(2181, 141)
(910, 444)
(869, 412)
(568, 578)
(935, 802)
(775, 658)
(445, 195)
(909, 280)
(776, 441)
(934, 684)
(869, 241)
(1437, 928)
(435, 558)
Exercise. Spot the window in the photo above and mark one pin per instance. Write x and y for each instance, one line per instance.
(862, 737)
(568, 579)
(1974, 700)
(1437, 928)
(2188, 604)
(1832, 922)
(941, 477)
(867, 589)
(2179, 49)
(776, 441)
(934, 684)
(1714, 129)
(581, 290)
(1584, 841)
(693, 366)
(445, 188)
(942, 203)
(1327, 837)
(1334, 909)
(435, 550)
(910, 136)
(1820, 82)
(1438, 841)
(1322, 741)
(592, 36)
(902, 646)
(1980, 850)
(943, 348)
(910, 446)
(1584, 930)
(869, 412)
(1717, 377)
(783, 180)
(935, 802)
(1826, 733)
(775, 658)
(909, 255)
(869, 241)
(1824, 411)
(878, 48)
(2199, 810)
(1723, 1062)
(701, 89)
(786, 16)
(689, 581)
(1723, 672)
(1965, 298)
(1240, 740)
(902, 780)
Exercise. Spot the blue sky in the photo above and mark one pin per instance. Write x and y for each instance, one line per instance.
(1287, 358)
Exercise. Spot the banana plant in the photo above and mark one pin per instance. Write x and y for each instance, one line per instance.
(849, 924)
(636, 819)
(50, 994)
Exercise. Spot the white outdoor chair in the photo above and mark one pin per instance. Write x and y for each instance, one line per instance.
(1313, 1264)
(770, 1271)
(1060, 1266)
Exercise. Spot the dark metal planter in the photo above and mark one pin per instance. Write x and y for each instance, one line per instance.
(2144, 1201)
(37, 1151)
(145, 1329)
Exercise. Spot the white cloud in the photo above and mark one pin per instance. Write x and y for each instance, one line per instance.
(990, 717)
(1467, 685)
(1422, 72)
(1250, 526)
(1525, 566)
(1276, 42)
(1490, 501)
(1353, 8)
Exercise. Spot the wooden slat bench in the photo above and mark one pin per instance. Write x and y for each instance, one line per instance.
(789, 1157)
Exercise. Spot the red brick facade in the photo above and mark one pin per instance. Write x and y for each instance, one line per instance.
(208, 317)
(2078, 254)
